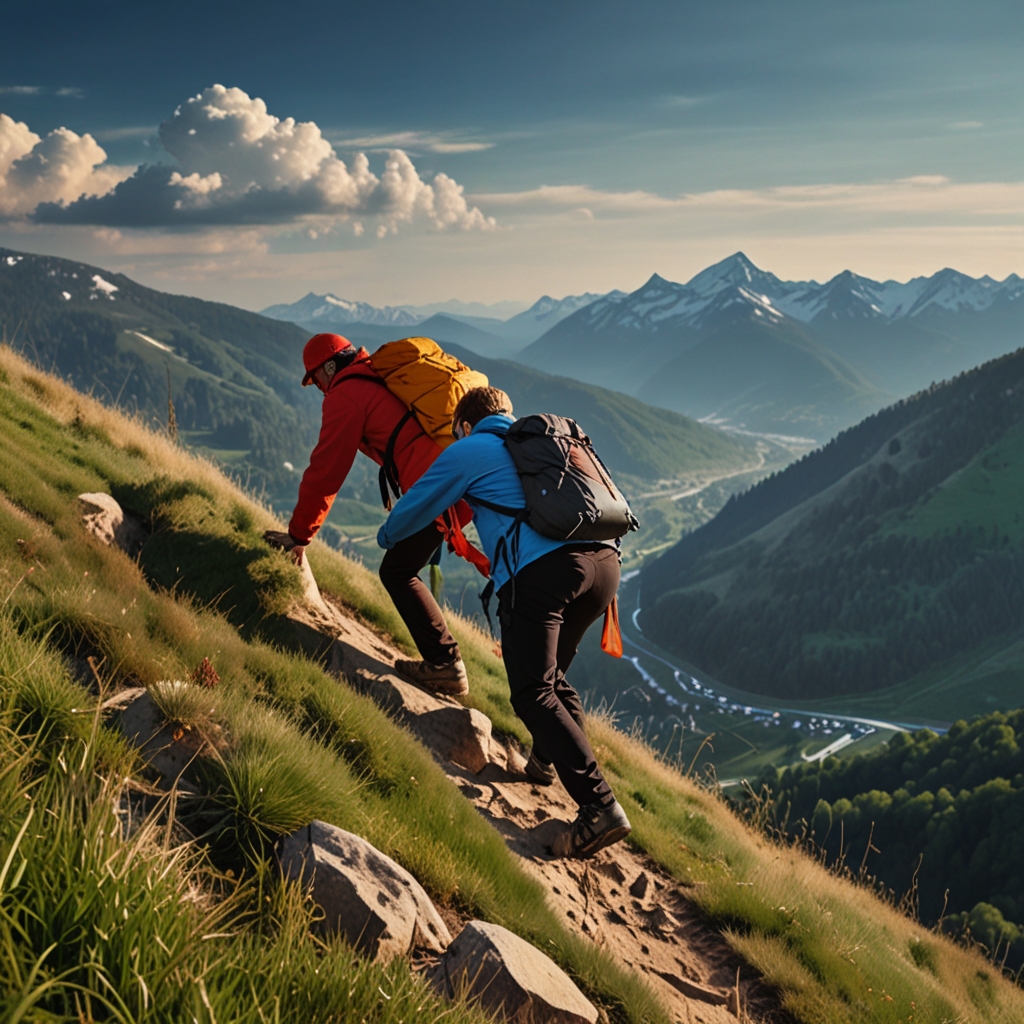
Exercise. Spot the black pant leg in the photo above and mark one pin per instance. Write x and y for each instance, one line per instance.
(399, 572)
(531, 625)
(602, 565)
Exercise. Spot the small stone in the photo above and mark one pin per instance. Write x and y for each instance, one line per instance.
(367, 897)
(513, 979)
(453, 732)
(660, 920)
(702, 993)
(638, 890)
(104, 518)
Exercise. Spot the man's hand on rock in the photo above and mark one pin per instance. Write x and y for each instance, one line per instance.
(286, 542)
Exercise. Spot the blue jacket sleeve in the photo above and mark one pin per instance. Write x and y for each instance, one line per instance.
(439, 488)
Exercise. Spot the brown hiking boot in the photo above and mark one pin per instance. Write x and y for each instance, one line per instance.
(540, 771)
(450, 680)
(595, 828)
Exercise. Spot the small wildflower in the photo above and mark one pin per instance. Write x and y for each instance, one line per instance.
(205, 675)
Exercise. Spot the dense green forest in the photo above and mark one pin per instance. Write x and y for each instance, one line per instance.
(949, 808)
(877, 558)
(231, 374)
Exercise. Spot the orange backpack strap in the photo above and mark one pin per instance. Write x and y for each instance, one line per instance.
(611, 636)
(458, 544)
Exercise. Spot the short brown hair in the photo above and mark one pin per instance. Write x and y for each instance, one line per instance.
(480, 402)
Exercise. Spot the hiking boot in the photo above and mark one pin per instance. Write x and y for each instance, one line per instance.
(450, 680)
(540, 771)
(595, 828)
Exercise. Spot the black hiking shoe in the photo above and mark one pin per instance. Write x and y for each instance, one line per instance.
(450, 680)
(595, 828)
(540, 771)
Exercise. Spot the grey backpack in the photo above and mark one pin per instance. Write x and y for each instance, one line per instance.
(570, 495)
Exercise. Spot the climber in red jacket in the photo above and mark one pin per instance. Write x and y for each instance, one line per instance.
(361, 414)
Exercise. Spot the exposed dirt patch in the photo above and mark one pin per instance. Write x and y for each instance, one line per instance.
(620, 899)
(623, 902)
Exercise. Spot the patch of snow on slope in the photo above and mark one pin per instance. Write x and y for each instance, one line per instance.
(103, 286)
(158, 344)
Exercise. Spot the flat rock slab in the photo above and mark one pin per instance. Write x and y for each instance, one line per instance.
(455, 733)
(169, 750)
(104, 518)
(365, 896)
(513, 979)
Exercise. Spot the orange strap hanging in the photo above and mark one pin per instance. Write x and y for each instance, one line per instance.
(611, 636)
(458, 544)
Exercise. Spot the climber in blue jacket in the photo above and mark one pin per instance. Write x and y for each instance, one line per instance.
(549, 593)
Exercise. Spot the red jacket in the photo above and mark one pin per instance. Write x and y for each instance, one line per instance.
(359, 415)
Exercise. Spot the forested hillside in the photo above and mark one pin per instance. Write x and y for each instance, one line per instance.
(894, 551)
(948, 809)
(231, 374)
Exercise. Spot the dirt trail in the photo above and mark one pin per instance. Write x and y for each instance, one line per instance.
(619, 899)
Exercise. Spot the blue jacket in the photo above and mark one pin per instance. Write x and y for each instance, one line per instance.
(478, 466)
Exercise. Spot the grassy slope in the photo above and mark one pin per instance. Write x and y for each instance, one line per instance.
(959, 468)
(299, 745)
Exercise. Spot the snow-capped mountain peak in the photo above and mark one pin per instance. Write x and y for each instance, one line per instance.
(738, 271)
(331, 310)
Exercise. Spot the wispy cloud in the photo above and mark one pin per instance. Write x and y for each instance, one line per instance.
(684, 101)
(423, 141)
(580, 196)
(145, 131)
(38, 90)
(922, 194)
(962, 126)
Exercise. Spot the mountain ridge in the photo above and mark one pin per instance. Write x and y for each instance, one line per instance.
(890, 561)
(891, 338)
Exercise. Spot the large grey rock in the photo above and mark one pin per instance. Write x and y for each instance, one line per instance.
(513, 978)
(374, 902)
(348, 649)
(169, 749)
(455, 733)
(104, 518)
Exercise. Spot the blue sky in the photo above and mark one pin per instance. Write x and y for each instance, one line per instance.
(581, 146)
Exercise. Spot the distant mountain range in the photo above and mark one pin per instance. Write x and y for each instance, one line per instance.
(738, 345)
(887, 566)
(735, 345)
(500, 337)
(234, 376)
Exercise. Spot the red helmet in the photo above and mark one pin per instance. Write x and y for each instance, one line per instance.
(318, 350)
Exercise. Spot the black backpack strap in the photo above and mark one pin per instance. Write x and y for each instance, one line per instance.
(388, 475)
(507, 548)
(485, 599)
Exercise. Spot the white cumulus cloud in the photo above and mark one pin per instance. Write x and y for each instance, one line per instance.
(239, 164)
(62, 167)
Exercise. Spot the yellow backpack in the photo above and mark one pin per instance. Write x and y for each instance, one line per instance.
(429, 382)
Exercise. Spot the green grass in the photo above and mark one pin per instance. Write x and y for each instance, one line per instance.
(95, 925)
(985, 495)
(294, 743)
